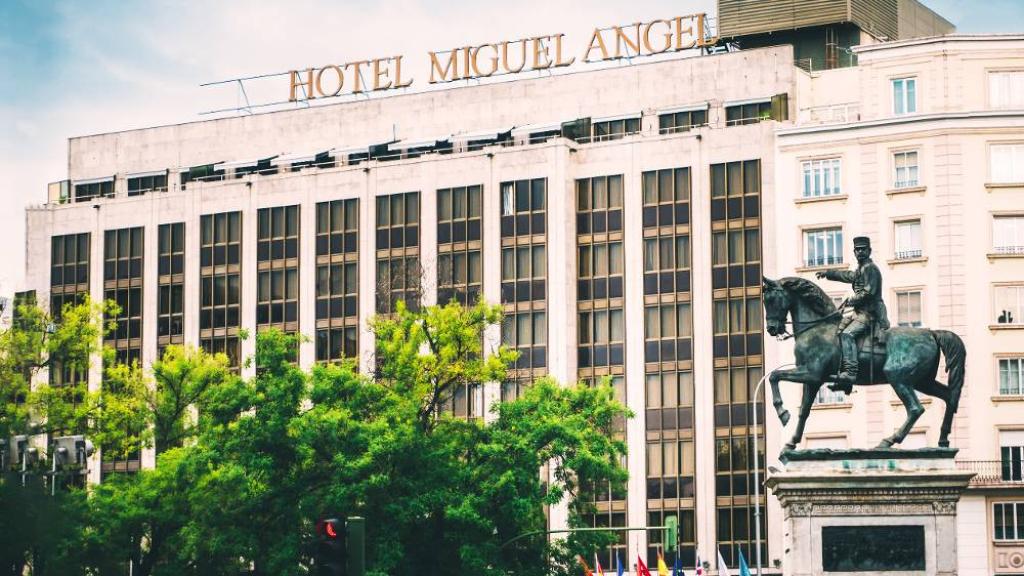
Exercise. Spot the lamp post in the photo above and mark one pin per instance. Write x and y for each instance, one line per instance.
(757, 475)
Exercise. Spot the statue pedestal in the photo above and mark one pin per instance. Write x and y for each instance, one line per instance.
(853, 512)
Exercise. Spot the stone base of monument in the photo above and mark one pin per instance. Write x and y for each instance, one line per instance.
(854, 512)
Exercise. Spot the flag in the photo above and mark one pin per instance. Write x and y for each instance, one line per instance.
(586, 569)
(677, 568)
(744, 569)
(618, 561)
(662, 568)
(722, 567)
(698, 569)
(597, 564)
(641, 568)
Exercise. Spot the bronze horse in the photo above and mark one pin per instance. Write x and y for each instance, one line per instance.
(910, 362)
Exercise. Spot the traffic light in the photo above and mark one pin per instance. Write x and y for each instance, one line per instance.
(671, 533)
(331, 553)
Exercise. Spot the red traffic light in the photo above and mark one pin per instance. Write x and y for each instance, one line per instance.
(328, 527)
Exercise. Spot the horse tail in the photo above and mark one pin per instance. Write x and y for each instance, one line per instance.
(956, 357)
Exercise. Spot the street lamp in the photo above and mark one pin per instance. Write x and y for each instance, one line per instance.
(757, 475)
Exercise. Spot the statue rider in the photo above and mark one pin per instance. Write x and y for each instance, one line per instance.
(860, 311)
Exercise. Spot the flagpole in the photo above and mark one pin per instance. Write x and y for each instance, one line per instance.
(757, 474)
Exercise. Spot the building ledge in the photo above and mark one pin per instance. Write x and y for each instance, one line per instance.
(907, 190)
(1003, 185)
(1003, 255)
(1008, 398)
(1019, 326)
(917, 260)
(804, 269)
(816, 199)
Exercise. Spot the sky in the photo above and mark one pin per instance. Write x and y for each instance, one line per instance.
(72, 68)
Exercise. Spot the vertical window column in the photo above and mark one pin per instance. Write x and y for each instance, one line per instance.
(737, 351)
(170, 320)
(337, 279)
(399, 269)
(668, 356)
(277, 268)
(122, 283)
(220, 261)
(524, 266)
(459, 244)
(69, 284)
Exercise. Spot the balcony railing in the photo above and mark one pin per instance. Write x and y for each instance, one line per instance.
(992, 473)
(830, 114)
(820, 261)
(908, 254)
(1009, 249)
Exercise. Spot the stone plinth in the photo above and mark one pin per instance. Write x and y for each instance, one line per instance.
(856, 512)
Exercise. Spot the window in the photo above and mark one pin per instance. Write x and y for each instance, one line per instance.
(668, 329)
(170, 318)
(527, 333)
(1011, 376)
(821, 178)
(122, 283)
(904, 96)
(89, 190)
(907, 236)
(459, 263)
(398, 256)
(1008, 521)
(826, 396)
(1007, 163)
(205, 173)
(1008, 234)
(823, 247)
(1009, 304)
(277, 272)
(905, 169)
(599, 205)
(69, 271)
(337, 279)
(601, 337)
(614, 129)
(220, 294)
(751, 113)
(139, 185)
(1006, 89)
(1011, 457)
(672, 122)
(908, 308)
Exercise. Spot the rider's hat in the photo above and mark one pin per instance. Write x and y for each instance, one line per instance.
(862, 241)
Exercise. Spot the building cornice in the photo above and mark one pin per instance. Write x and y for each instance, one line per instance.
(907, 120)
(950, 38)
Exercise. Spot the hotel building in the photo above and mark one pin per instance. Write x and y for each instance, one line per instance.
(623, 218)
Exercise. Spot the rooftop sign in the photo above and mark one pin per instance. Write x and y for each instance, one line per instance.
(503, 57)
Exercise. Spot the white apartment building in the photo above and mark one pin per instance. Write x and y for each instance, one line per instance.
(920, 147)
(623, 218)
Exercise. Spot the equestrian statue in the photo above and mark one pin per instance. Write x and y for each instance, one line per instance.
(854, 346)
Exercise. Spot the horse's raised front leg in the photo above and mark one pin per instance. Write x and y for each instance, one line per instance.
(798, 375)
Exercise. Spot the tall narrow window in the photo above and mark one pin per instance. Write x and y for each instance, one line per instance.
(908, 308)
(905, 170)
(1009, 304)
(459, 245)
(1011, 455)
(220, 291)
(1011, 376)
(524, 271)
(122, 284)
(337, 279)
(170, 319)
(1008, 521)
(277, 268)
(904, 96)
(907, 236)
(399, 272)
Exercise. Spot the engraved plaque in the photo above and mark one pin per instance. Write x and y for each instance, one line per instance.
(872, 548)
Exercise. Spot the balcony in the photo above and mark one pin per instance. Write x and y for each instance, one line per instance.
(908, 254)
(1008, 250)
(830, 114)
(992, 473)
